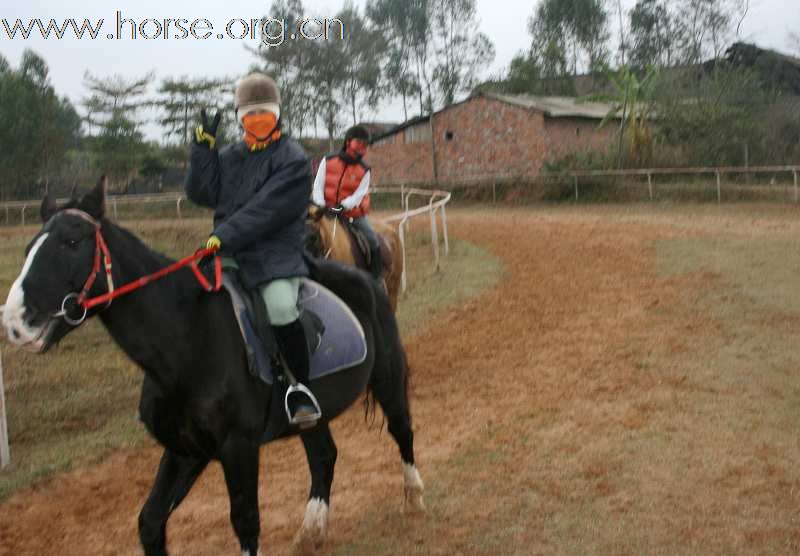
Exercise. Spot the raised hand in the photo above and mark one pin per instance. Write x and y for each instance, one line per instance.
(206, 133)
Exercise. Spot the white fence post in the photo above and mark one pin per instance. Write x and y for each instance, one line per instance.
(5, 454)
(434, 235)
(444, 231)
(436, 201)
(402, 232)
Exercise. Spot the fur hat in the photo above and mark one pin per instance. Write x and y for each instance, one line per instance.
(255, 92)
(357, 132)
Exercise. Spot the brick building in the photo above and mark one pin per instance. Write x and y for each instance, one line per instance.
(488, 135)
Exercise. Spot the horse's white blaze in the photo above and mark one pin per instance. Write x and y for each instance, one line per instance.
(413, 488)
(17, 329)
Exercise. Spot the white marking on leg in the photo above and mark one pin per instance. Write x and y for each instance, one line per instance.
(413, 488)
(314, 529)
(17, 330)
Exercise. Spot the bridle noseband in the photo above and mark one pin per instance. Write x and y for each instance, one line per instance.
(102, 259)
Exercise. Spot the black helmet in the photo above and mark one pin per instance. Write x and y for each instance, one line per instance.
(356, 132)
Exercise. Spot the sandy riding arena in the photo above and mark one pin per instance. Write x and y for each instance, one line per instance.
(628, 386)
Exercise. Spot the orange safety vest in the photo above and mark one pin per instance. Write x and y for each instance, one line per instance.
(341, 181)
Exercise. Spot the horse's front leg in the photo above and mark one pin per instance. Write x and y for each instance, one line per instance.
(321, 453)
(239, 457)
(176, 475)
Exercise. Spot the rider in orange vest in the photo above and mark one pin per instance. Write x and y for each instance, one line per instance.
(342, 184)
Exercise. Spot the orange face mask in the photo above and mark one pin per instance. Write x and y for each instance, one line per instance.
(356, 148)
(260, 130)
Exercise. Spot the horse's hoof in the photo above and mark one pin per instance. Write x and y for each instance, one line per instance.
(306, 544)
(311, 535)
(412, 489)
(413, 502)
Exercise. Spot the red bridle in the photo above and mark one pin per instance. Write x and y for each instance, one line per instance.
(102, 260)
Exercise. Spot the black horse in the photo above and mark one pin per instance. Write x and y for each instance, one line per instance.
(198, 399)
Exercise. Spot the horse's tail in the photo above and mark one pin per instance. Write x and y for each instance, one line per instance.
(395, 274)
(365, 295)
(369, 396)
(392, 383)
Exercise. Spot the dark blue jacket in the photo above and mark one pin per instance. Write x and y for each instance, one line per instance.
(260, 200)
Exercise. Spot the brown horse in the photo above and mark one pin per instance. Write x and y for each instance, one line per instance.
(331, 238)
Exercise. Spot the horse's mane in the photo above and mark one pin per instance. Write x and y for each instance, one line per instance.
(132, 240)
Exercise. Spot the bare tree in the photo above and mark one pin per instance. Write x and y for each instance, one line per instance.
(460, 52)
(291, 65)
(180, 101)
(113, 107)
(114, 97)
(794, 42)
(365, 52)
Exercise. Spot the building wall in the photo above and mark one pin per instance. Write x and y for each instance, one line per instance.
(489, 138)
(394, 160)
(479, 139)
(578, 134)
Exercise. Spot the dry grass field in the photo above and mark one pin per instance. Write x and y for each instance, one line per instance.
(626, 384)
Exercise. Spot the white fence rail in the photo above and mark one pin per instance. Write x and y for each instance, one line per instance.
(434, 207)
(574, 178)
(715, 172)
(112, 202)
(435, 204)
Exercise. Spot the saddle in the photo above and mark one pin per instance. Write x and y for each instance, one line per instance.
(361, 251)
(336, 338)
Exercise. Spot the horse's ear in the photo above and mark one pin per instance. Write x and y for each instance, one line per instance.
(94, 202)
(315, 212)
(73, 193)
(48, 208)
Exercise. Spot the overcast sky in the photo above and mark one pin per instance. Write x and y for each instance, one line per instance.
(768, 24)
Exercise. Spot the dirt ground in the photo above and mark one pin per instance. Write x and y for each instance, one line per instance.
(560, 412)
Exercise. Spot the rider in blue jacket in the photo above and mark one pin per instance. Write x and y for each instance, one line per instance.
(259, 189)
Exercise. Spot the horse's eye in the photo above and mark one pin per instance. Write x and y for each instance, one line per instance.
(71, 243)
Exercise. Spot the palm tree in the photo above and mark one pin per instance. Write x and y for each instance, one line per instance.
(633, 98)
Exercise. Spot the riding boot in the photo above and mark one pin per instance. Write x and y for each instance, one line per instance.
(375, 263)
(294, 348)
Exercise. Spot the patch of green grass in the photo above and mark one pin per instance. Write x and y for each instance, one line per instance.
(79, 402)
(463, 273)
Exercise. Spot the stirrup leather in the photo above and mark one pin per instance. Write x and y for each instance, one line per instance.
(305, 419)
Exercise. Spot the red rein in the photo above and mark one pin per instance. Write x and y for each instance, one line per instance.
(102, 252)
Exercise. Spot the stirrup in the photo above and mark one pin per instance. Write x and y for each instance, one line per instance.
(303, 421)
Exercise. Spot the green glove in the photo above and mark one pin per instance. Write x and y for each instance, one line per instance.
(205, 132)
(214, 243)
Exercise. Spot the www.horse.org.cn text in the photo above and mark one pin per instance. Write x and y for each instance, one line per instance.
(269, 31)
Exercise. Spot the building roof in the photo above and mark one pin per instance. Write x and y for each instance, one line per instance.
(378, 128)
(556, 107)
(551, 107)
